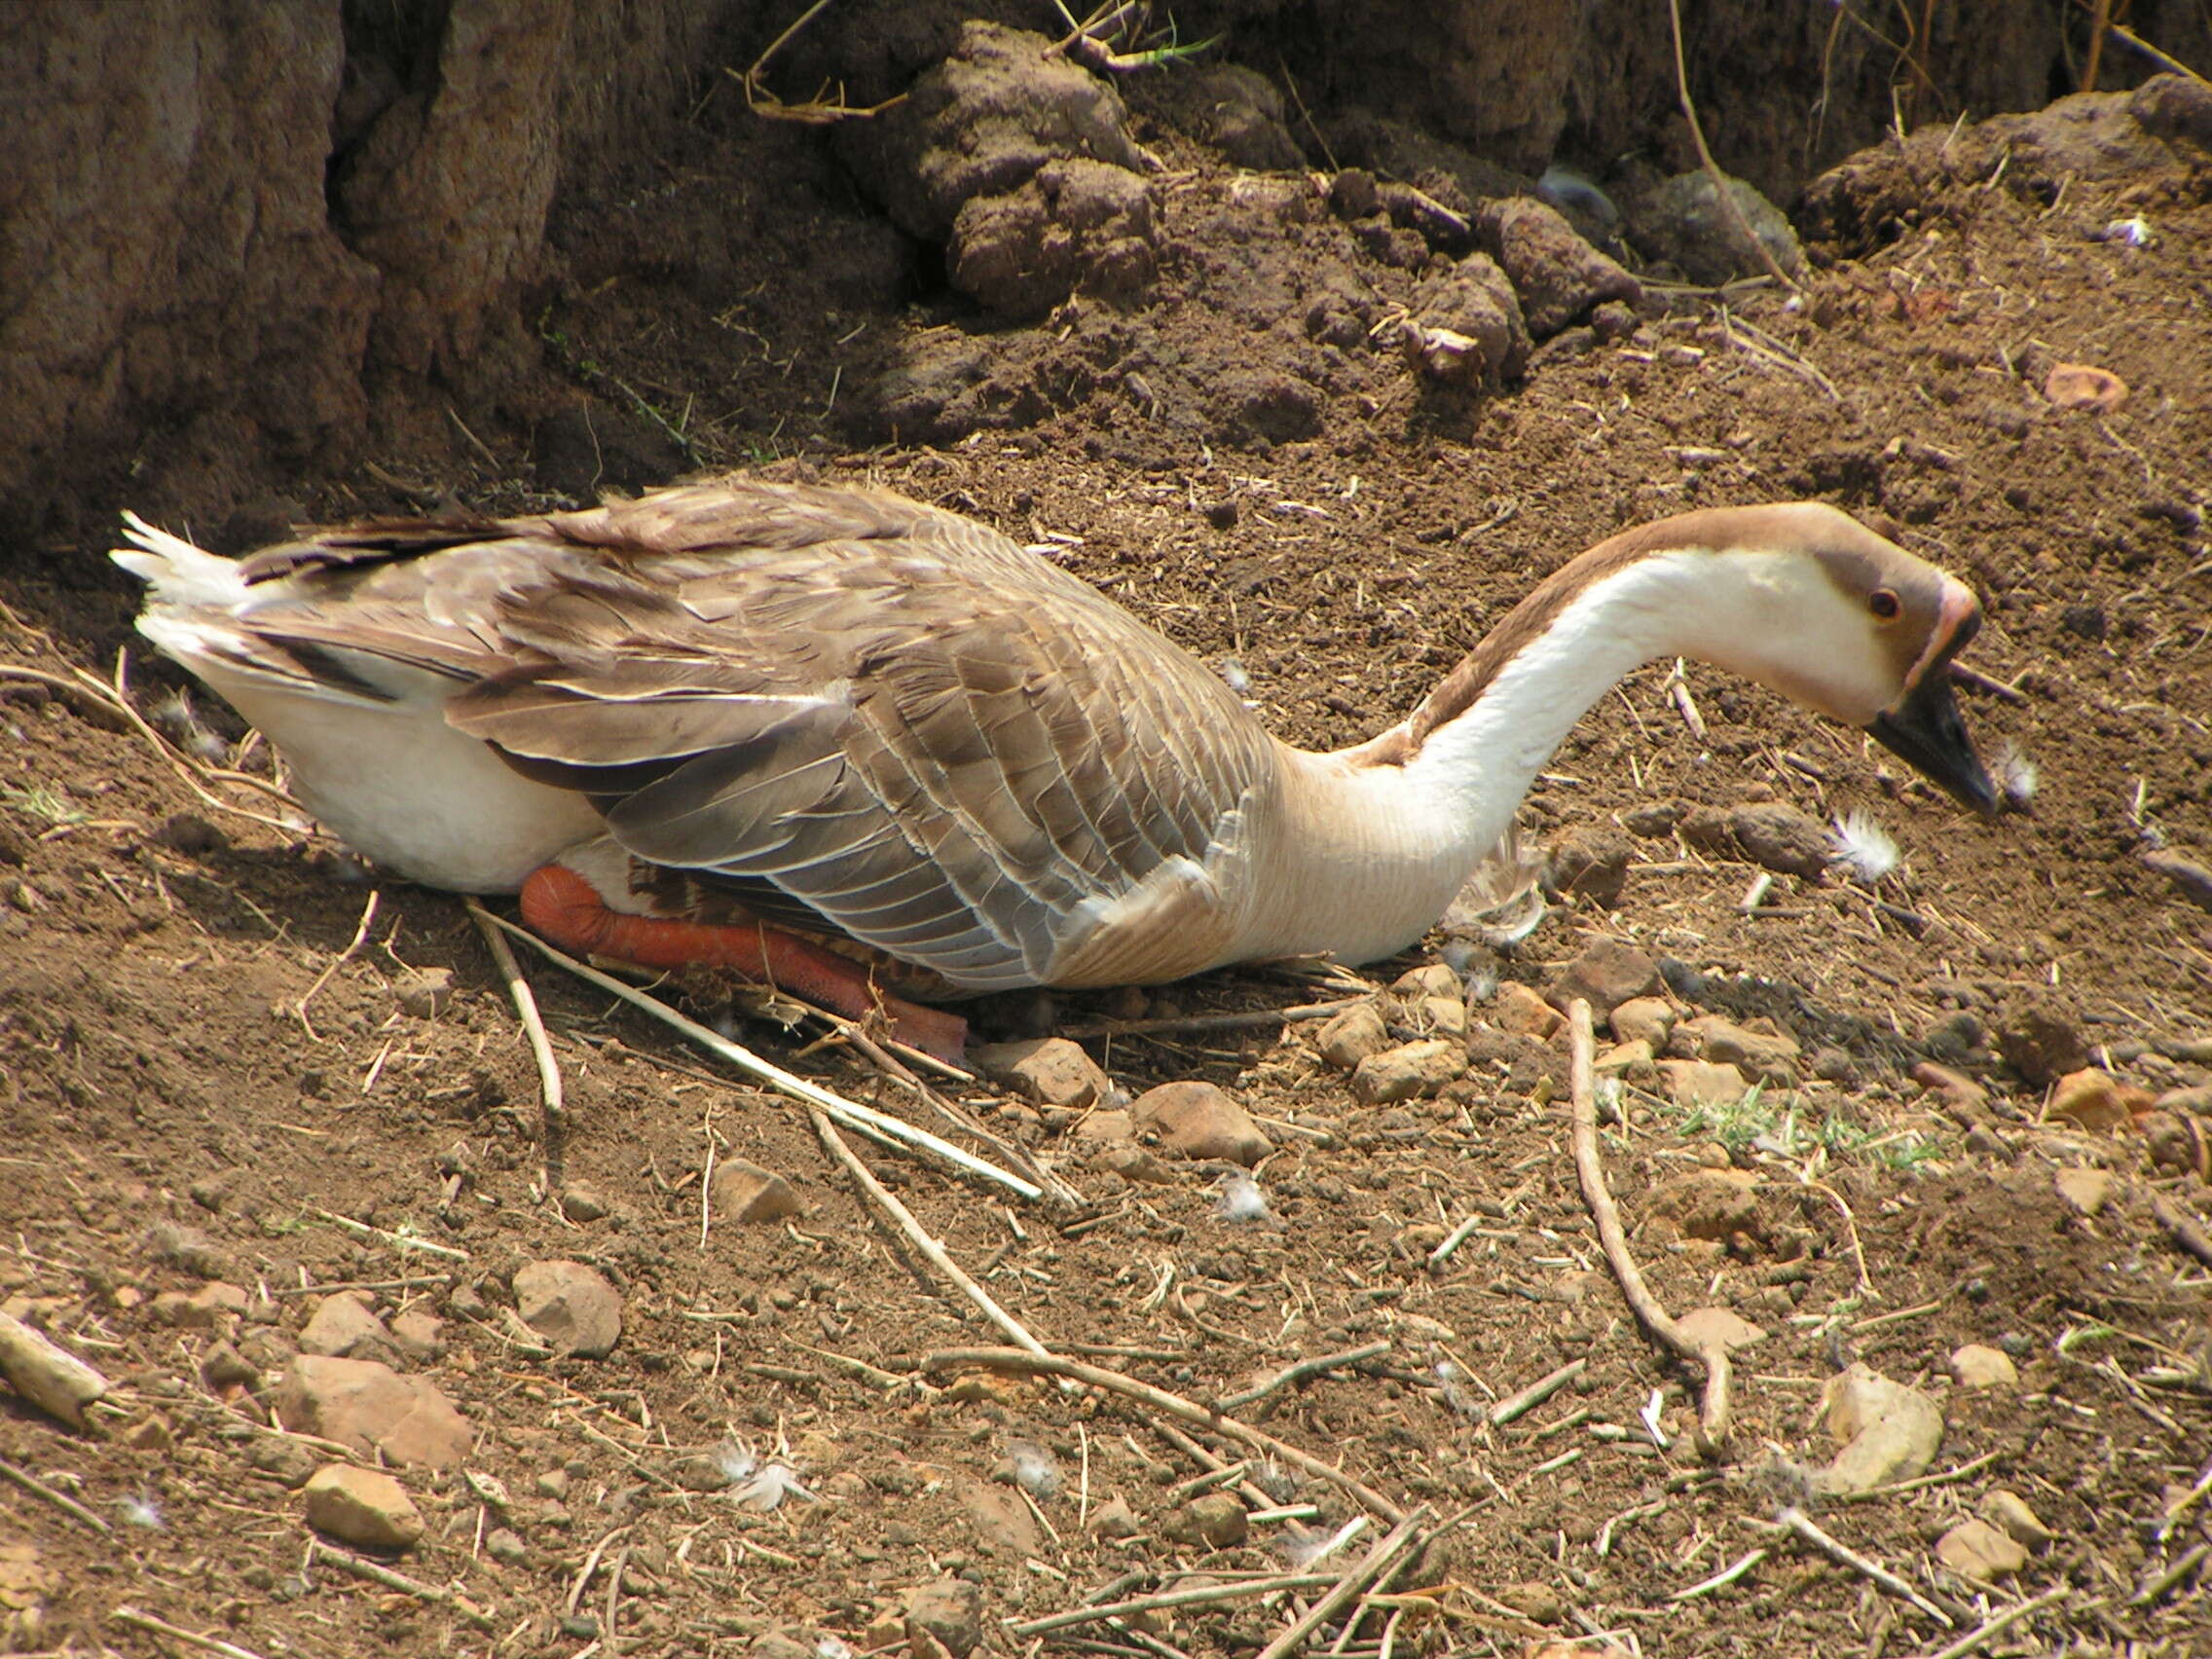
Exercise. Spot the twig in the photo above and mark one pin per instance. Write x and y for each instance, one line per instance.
(1712, 170)
(549, 1088)
(47, 1374)
(1458, 1237)
(1205, 1595)
(1713, 1357)
(1242, 1019)
(2174, 1575)
(398, 1240)
(2178, 1222)
(863, 1120)
(836, 1145)
(1388, 1551)
(1725, 1576)
(176, 1633)
(1297, 1372)
(378, 1573)
(582, 1580)
(1795, 1520)
(1919, 1483)
(1173, 1405)
(368, 920)
(60, 1500)
(814, 112)
(1981, 681)
(1977, 1639)
(2099, 18)
(1535, 1393)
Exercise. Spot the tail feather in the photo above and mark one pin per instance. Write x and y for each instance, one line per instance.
(179, 573)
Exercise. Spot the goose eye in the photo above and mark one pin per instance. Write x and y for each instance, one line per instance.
(1884, 604)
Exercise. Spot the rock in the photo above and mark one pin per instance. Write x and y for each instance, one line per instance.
(1703, 1083)
(212, 1305)
(1605, 973)
(368, 1407)
(1196, 1120)
(1114, 1127)
(1046, 1071)
(582, 1203)
(1703, 1325)
(420, 1336)
(1587, 863)
(1430, 979)
(1718, 1204)
(1350, 1037)
(505, 1545)
(1646, 1019)
(570, 1306)
(2085, 1191)
(46, 1374)
(2040, 1039)
(1758, 1050)
(1687, 225)
(1780, 838)
(423, 993)
(1963, 1097)
(2079, 385)
(1889, 1432)
(1409, 1071)
(1446, 1016)
(2009, 1514)
(1135, 1163)
(1003, 1524)
(1521, 1011)
(1559, 276)
(951, 1611)
(1113, 1519)
(1978, 1366)
(747, 1193)
(345, 1324)
(1974, 1549)
(1217, 1520)
(1630, 1061)
(1533, 1598)
(2191, 879)
(2093, 1099)
(362, 1506)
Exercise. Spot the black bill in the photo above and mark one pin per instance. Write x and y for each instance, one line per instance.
(1926, 728)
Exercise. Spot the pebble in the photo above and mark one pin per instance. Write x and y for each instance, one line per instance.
(1521, 1011)
(202, 1310)
(505, 1545)
(423, 993)
(1974, 1549)
(420, 1336)
(1113, 1519)
(362, 1506)
(1703, 1083)
(2093, 1099)
(1605, 973)
(1646, 1019)
(949, 1611)
(1686, 224)
(368, 1407)
(1961, 1095)
(745, 1192)
(2083, 385)
(1722, 1325)
(1411, 1070)
(345, 1324)
(582, 1203)
(1045, 1071)
(1135, 1163)
(1003, 1524)
(1976, 1365)
(1631, 1060)
(1533, 1598)
(1196, 1120)
(1216, 1521)
(1350, 1037)
(1889, 1432)
(1758, 1050)
(1430, 979)
(2085, 1192)
(570, 1306)
(2010, 1515)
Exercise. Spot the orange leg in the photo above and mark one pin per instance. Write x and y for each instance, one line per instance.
(564, 908)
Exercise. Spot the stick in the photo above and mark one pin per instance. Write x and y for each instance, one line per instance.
(60, 1500)
(1795, 1520)
(1725, 1576)
(1204, 1596)
(1714, 1410)
(1536, 1392)
(1976, 1639)
(1297, 1372)
(162, 1627)
(834, 1143)
(378, 1573)
(1397, 1542)
(863, 1120)
(1713, 168)
(549, 1090)
(2172, 1575)
(368, 919)
(1173, 1405)
(1981, 681)
(1458, 1237)
(2187, 1234)
(47, 1374)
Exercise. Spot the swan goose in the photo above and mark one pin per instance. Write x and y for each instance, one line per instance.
(670, 720)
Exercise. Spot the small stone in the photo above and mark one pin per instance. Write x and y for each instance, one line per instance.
(2080, 385)
(1430, 979)
(505, 1545)
(1003, 1524)
(582, 1203)
(1630, 1061)
(2040, 1039)
(202, 1310)
(1533, 1600)
(1350, 1037)
(1605, 973)
(1961, 1096)
(1113, 1519)
(570, 1306)
(362, 1506)
(1135, 1163)
(1520, 1010)
(1046, 1071)
(1718, 1204)
(1757, 1050)
(2093, 1099)
(369, 1407)
(2085, 1191)
(1890, 1432)
(151, 1433)
(1782, 838)
(346, 1324)
(553, 1484)
(1216, 1521)
(1704, 1325)
(423, 993)
(223, 1366)
(1646, 1019)
(2010, 1515)
(1703, 1083)
(1446, 1016)
(420, 1336)
(1976, 1365)
(951, 1611)
(189, 833)
(1974, 1549)
(1196, 1120)
(747, 1193)
(1409, 1071)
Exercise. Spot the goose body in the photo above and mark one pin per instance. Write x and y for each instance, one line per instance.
(886, 722)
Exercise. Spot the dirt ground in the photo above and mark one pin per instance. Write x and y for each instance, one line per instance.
(202, 1082)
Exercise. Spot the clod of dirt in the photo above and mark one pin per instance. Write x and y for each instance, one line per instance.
(570, 1306)
(423, 993)
(1757, 1050)
(745, 1192)
(2040, 1039)
(1074, 225)
(1196, 1120)
(362, 1506)
(2191, 879)
(1704, 1326)
(1236, 110)
(1692, 1084)
(368, 1407)
(1115, 1518)
(1721, 1206)
(1777, 837)
(1046, 1071)
(1002, 1523)
(1216, 1521)
(1686, 225)
(1560, 277)
(1466, 327)
(1606, 973)
(1587, 863)
(949, 1611)
(2083, 385)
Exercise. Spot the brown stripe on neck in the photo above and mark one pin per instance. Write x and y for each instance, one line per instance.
(1716, 528)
